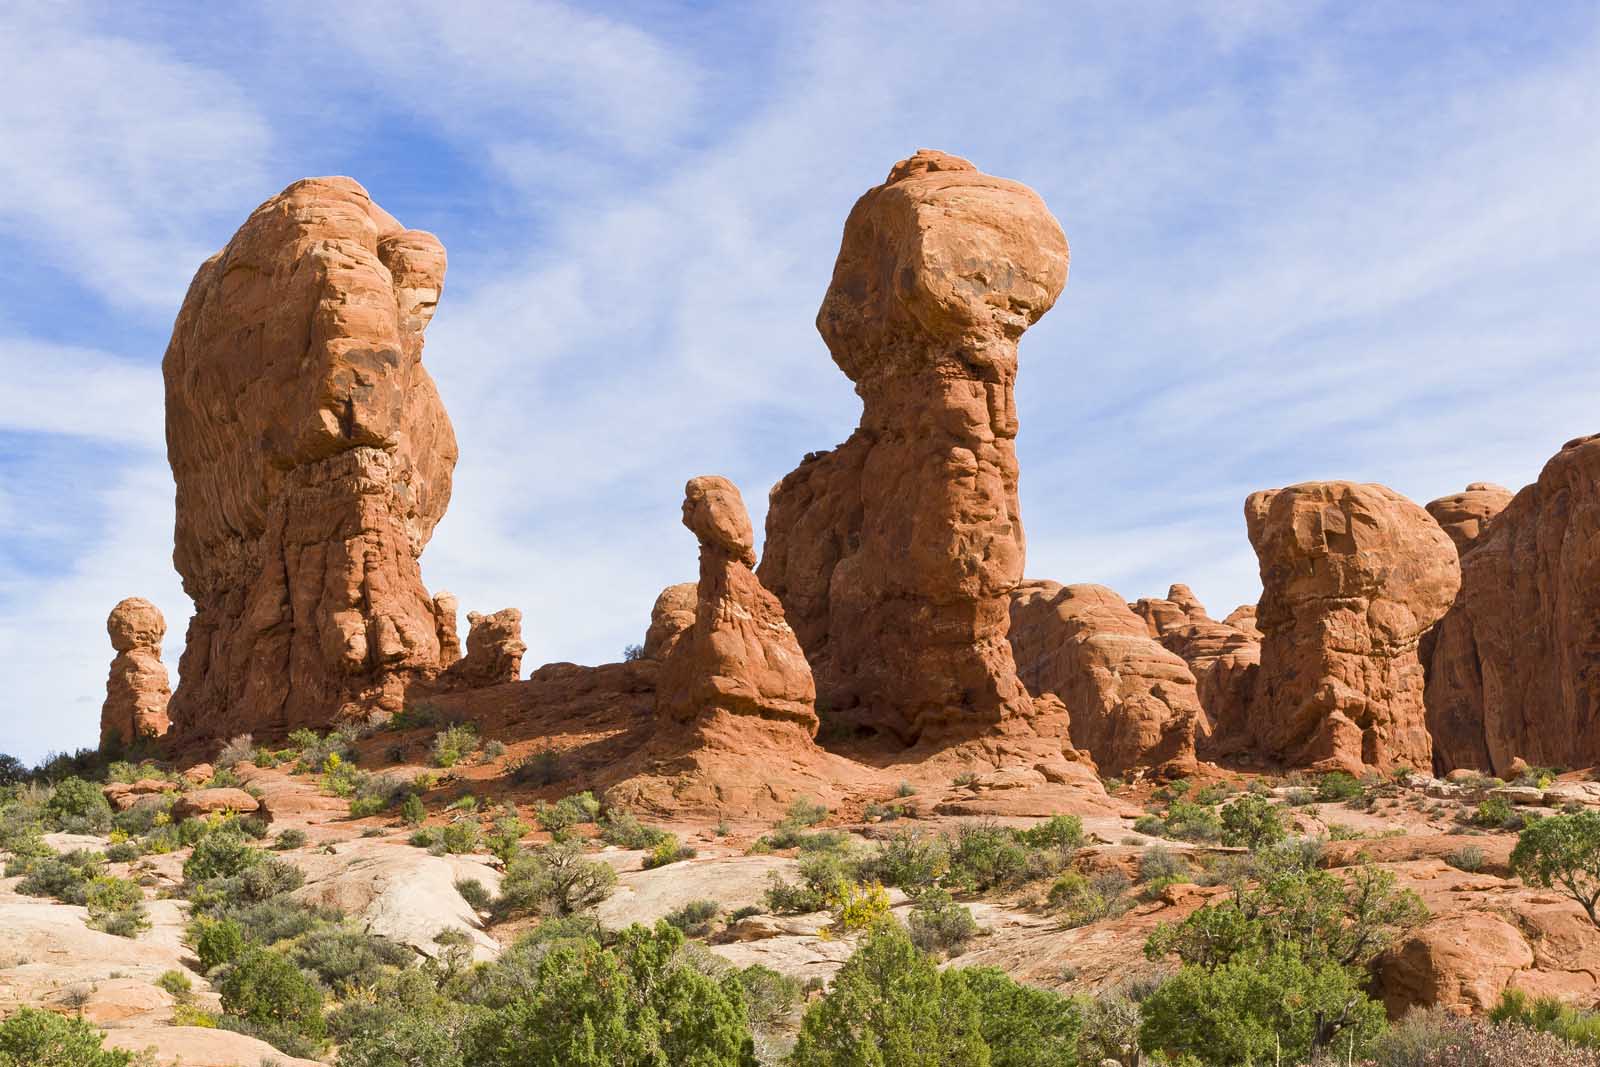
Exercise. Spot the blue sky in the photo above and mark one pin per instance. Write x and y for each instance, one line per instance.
(1342, 240)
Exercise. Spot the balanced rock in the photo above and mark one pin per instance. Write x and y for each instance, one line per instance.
(896, 553)
(1352, 576)
(494, 651)
(1132, 702)
(136, 690)
(740, 657)
(313, 459)
(1515, 674)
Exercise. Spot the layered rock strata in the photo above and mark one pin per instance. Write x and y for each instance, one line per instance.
(313, 459)
(896, 553)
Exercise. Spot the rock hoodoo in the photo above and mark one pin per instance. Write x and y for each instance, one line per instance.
(494, 651)
(136, 690)
(896, 553)
(1132, 702)
(739, 657)
(313, 459)
(1223, 656)
(1516, 671)
(1352, 576)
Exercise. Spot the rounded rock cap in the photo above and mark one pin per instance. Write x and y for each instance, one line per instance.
(135, 622)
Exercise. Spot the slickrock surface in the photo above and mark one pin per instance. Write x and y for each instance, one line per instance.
(137, 691)
(1130, 700)
(494, 651)
(312, 458)
(1516, 673)
(740, 655)
(1352, 576)
(895, 554)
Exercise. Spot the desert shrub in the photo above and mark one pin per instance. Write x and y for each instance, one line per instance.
(269, 878)
(806, 812)
(1082, 900)
(177, 983)
(770, 997)
(1021, 1025)
(116, 905)
(414, 716)
(412, 810)
(1159, 863)
(347, 958)
(668, 850)
(1467, 858)
(823, 877)
(1574, 1025)
(539, 768)
(376, 793)
(1438, 1039)
(856, 907)
(1254, 1009)
(77, 807)
(1110, 1029)
(907, 859)
(635, 1004)
(34, 1038)
(940, 925)
(1252, 821)
(1563, 852)
(623, 829)
(1059, 831)
(987, 856)
(474, 893)
(122, 851)
(264, 987)
(557, 879)
(65, 877)
(454, 744)
(460, 836)
(1338, 785)
(695, 917)
(240, 749)
(289, 839)
(493, 749)
(279, 919)
(1187, 821)
(1150, 824)
(215, 942)
(1496, 813)
(221, 853)
(145, 815)
(12, 770)
(505, 837)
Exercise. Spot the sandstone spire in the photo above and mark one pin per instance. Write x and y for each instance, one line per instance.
(312, 458)
(136, 690)
(896, 553)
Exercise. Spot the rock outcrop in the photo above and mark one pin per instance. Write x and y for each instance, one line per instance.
(670, 618)
(1454, 691)
(1132, 703)
(740, 657)
(1516, 671)
(136, 690)
(1224, 657)
(896, 553)
(494, 651)
(313, 459)
(446, 624)
(1461, 962)
(1352, 576)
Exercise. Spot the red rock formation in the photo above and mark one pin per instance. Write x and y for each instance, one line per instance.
(895, 554)
(670, 618)
(1352, 576)
(136, 690)
(740, 656)
(1454, 691)
(1517, 671)
(494, 651)
(446, 609)
(1132, 703)
(312, 458)
(1224, 658)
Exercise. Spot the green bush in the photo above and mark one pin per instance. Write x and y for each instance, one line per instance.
(1022, 1026)
(474, 893)
(1574, 1025)
(269, 878)
(769, 997)
(215, 942)
(1467, 858)
(540, 768)
(1082, 900)
(1059, 831)
(1159, 863)
(116, 905)
(454, 744)
(1252, 822)
(1188, 821)
(65, 877)
(823, 877)
(77, 807)
(557, 879)
(1258, 1010)
(289, 839)
(348, 959)
(941, 926)
(412, 811)
(668, 850)
(1563, 852)
(623, 829)
(1338, 785)
(987, 856)
(633, 1005)
(695, 917)
(221, 853)
(460, 837)
(33, 1038)
(505, 837)
(806, 812)
(908, 859)
(177, 983)
(265, 987)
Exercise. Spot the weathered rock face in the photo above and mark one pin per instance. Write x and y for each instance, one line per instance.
(1517, 671)
(136, 690)
(1224, 658)
(1352, 576)
(670, 618)
(1464, 515)
(312, 458)
(895, 554)
(1462, 962)
(494, 651)
(740, 656)
(1454, 691)
(446, 622)
(1131, 701)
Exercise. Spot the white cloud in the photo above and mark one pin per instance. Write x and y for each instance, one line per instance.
(78, 392)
